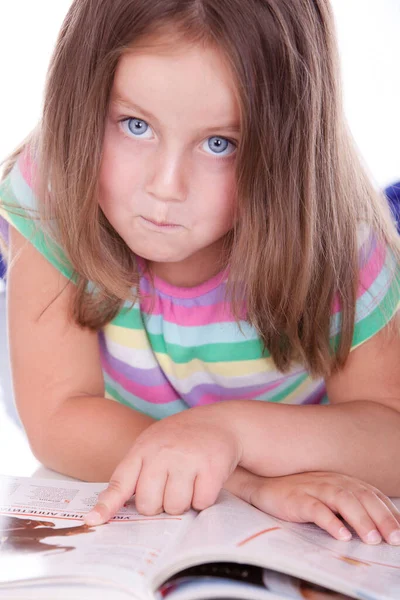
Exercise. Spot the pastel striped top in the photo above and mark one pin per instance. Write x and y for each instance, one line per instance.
(185, 349)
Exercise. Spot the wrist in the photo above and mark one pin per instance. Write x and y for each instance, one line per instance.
(243, 484)
(230, 416)
(242, 419)
(219, 417)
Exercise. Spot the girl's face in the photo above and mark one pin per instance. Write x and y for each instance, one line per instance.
(167, 179)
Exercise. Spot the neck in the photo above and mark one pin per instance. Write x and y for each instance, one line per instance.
(192, 271)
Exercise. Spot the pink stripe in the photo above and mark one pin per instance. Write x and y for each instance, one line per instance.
(25, 165)
(211, 398)
(368, 274)
(157, 394)
(182, 292)
(188, 315)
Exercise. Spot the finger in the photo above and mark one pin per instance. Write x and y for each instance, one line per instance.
(150, 489)
(120, 488)
(312, 510)
(381, 515)
(356, 515)
(391, 506)
(178, 493)
(206, 490)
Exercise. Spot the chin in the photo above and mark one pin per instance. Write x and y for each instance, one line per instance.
(160, 257)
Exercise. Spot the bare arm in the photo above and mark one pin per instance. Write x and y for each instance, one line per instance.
(57, 375)
(88, 436)
(358, 434)
(360, 439)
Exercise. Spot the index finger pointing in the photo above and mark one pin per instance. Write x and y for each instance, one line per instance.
(120, 488)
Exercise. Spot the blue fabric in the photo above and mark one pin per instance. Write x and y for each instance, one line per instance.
(4, 237)
(393, 195)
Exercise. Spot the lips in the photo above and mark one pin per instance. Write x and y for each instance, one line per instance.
(161, 224)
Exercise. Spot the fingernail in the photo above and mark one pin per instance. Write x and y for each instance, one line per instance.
(344, 534)
(93, 518)
(394, 538)
(373, 537)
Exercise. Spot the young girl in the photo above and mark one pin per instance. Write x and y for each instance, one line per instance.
(203, 283)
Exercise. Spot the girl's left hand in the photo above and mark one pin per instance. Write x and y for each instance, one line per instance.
(323, 497)
(179, 462)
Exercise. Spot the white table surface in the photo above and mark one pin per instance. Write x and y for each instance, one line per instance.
(16, 457)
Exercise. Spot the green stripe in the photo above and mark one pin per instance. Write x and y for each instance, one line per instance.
(282, 395)
(129, 318)
(377, 319)
(380, 317)
(28, 228)
(249, 350)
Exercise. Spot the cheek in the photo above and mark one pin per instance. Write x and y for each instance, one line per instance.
(229, 193)
(214, 189)
(118, 177)
(218, 195)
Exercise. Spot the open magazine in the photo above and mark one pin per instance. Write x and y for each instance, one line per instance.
(230, 550)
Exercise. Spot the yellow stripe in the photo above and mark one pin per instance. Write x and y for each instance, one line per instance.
(294, 396)
(135, 339)
(239, 368)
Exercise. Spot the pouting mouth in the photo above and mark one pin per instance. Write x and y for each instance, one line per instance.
(161, 223)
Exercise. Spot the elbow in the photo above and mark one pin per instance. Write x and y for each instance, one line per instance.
(38, 438)
(37, 445)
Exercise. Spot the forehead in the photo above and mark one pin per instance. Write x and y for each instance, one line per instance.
(186, 80)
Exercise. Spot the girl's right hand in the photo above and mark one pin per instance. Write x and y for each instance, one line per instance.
(319, 496)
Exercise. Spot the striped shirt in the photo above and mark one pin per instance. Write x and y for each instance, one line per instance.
(183, 348)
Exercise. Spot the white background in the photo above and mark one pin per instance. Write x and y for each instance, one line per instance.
(368, 32)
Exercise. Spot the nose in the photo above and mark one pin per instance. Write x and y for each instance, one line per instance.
(168, 175)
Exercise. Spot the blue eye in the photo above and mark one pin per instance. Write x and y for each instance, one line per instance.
(219, 146)
(137, 127)
(216, 145)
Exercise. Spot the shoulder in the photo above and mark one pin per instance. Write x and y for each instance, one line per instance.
(378, 288)
(19, 208)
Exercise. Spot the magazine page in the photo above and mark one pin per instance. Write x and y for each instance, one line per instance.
(232, 530)
(41, 522)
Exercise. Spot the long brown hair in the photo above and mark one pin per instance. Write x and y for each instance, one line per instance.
(301, 186)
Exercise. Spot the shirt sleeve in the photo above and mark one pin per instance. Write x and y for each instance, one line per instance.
(378, 294)
(19, 208)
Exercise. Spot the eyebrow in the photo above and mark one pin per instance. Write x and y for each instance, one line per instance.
(232, 127)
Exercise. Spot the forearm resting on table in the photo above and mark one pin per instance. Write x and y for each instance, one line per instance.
(88, 436)
(80, 441)
(358, 438)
